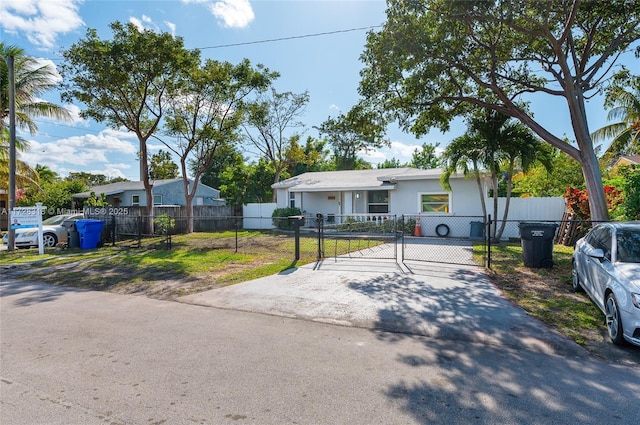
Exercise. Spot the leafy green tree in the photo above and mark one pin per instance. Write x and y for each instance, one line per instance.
(315, 158)
(248, 183)
(162, 166)
(438, 59)
(426, 157)
(623, 97)
(390, 163)
(226, 155)
(123, 81)
(205, 112)
(269, 126)
(631, 188)
(87, 179)
(56, 196)
(350, 134)
(550, 181)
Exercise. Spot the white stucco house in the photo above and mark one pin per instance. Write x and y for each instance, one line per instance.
(401, 191)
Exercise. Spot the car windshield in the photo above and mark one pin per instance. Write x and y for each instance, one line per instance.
(56, 219)
(628, 246)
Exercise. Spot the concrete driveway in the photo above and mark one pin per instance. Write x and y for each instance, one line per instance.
(436, 300)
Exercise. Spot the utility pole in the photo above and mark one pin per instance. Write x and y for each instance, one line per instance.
(12, 148)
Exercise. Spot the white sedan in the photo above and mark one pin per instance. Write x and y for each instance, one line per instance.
(606, 264)
(53, 232)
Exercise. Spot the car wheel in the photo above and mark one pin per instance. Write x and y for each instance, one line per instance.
(614, 324)
(575, 279)
(49, 240)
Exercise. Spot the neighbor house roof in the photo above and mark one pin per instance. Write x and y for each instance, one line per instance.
(628, 160)
(385, 178)
(121, 187)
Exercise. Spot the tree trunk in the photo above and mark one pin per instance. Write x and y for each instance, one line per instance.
(188, 195)
(148, 187)
(507, 203)
(481, 192)
(595, 188)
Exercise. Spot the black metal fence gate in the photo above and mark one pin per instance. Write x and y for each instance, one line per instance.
(428, 238)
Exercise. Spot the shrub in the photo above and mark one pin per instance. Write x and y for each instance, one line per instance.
(163, 224)
(280, 219)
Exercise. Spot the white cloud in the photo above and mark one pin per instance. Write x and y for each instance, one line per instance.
(233, 13)
(172, 27)
(41, 21)
(83, 151)
(137, 23)
(403, 152)
(146, 23)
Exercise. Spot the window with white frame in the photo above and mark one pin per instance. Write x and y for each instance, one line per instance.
(434, 202)
(135, 200)
(292, 199)
(157, 199)
(378, 201)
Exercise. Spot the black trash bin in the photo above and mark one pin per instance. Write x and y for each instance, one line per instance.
(537, 244)
(73, 236)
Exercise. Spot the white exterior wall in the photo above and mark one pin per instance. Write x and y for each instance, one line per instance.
(464, 207)
(463, 200)
(258, 216)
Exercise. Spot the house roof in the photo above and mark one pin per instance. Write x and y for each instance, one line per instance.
(628, 159)
(121, 187)
(385, 178)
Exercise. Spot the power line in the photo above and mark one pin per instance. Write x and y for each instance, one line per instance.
(294, 37)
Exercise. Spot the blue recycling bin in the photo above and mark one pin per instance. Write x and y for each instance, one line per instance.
(90, 232)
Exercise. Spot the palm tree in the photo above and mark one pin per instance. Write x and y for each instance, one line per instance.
(464, 154)
(32, 79)
(623, 97)
(496, 146)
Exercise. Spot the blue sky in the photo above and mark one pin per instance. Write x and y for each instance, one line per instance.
(327, 66)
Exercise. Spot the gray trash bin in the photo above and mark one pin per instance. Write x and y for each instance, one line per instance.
(73, 237)
(537, 244)
(477, 230)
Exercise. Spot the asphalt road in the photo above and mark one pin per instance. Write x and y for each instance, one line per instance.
(80, 357)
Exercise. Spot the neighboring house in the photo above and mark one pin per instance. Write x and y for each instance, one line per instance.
(165, 192)
(397, 192)
(627, 160)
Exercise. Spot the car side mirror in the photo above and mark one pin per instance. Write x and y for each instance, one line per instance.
(595, 253)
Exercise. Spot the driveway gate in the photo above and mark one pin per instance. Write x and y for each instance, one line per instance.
(431, 238)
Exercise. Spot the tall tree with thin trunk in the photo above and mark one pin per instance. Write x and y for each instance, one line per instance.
(124, 81)
(271, 127)
(435, 60)
(205, 113)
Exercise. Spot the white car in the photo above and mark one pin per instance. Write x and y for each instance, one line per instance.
(53, 232)
(606, 264)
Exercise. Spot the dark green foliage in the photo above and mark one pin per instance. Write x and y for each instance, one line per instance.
(162, 166)
(631, 203)
(280, 217)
